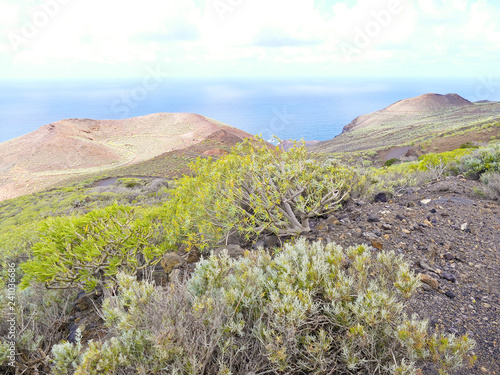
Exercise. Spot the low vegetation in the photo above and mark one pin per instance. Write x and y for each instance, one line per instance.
(304, 308)
(482, 120)
(310, 309)
(20, 218)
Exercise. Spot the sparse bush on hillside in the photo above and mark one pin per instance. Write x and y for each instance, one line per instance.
(491, 188)
(469, 145)
(480, 161)
(81, 251)
(390, 162)
(310, 309)
(39, 315)
(397, 177)
(129, 182)
(253, 190)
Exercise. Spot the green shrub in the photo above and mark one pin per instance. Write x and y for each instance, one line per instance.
(129, 182)
(66, 355)
(80, 251)
(469, 145)
(445, 158)
(310, 309)
(253, 190)
(390, 162)
(397, 177)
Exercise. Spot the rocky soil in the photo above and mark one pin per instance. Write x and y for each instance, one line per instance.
(452, 238)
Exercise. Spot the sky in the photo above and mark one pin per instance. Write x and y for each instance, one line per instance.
(80, 39)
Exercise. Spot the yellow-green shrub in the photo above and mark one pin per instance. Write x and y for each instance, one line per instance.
(80, 251)
(252, 190)
(447, 158)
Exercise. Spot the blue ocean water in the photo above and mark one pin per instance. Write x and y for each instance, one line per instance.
(309, 108)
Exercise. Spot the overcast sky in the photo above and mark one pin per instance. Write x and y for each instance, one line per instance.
(225, 38)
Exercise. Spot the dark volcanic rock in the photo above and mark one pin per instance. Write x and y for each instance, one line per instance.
(380, 197)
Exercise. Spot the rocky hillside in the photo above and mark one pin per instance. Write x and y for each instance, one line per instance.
(427, 123)
(77, 147)
(451, 237)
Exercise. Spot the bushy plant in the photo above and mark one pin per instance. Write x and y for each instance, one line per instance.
(129, 182)
(446, 158)
(397, 177)
(39, 314)
(252, 190)
(81, 251)
(469, 145)
(20, 217)
(480, 161)
(308, 309)
(390, 162)
(66, 355)
(491, 188)
(132, 345)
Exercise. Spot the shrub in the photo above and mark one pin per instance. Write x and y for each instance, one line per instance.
(130, 182)
(310, 309)
(390, 162)
(469, 145)
(80, 251)
(429, 167)
(480, 161)
(252, 190)
(491, 190)
(444, 158)
(66, 355)
(39, 315)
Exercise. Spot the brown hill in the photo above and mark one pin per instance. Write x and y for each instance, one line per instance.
(82, 146)
(174, 164)
(288, 144)
(408, 108)
(427, 123)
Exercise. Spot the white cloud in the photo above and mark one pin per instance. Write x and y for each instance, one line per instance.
(94, 30)
(272, 33)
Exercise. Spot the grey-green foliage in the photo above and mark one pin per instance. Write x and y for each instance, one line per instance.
(480, 161)
(66, 355)
(309, 309)
(39, 315)
(491, 188)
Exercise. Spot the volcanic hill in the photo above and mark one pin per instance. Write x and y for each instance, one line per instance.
(432, 120)
(78, 147)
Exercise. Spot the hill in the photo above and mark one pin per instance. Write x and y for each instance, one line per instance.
(427, 123)
(79, 147)
(173, 164)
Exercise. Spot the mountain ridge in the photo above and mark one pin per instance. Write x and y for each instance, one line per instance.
(426, 103)
(414, 122)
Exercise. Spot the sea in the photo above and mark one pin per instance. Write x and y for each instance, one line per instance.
(292, 108)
